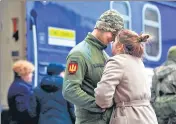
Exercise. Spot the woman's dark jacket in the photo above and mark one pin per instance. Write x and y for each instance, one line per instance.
(18, 100)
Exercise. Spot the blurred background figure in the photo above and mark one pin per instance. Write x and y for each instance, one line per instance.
(164, 89)
(20, 92)
(47, 101)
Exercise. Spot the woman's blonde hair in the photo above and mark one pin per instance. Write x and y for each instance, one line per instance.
(132, 42)
(23, 67)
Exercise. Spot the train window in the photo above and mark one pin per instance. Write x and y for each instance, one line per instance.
(152, 26)
(124, 8)
(151, 15)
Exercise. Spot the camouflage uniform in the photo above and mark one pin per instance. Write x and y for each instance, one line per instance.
(84, 69)
(164, 90)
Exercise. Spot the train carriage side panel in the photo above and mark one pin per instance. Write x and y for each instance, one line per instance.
(62, 17)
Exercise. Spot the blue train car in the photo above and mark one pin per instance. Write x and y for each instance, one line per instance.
(54, 28)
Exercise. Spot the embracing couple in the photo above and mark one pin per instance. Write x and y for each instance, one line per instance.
(109, 90)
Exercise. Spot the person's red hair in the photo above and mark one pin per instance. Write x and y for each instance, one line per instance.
(132, 42)
(23, 67)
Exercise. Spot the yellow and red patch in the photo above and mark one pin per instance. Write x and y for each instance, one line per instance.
(72, 67)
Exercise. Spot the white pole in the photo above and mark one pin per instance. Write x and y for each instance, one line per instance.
(35, 55)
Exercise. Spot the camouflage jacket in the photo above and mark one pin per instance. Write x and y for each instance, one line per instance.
(164, 91)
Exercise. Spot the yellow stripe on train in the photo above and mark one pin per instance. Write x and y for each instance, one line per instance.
(61, 33)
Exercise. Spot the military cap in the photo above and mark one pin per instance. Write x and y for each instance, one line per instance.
(110, 21)
(172, 52)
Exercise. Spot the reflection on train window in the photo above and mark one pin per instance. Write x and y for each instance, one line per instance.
(124, 9)
(42, 70)
(152, 48)
(152, 26)
(151, 15)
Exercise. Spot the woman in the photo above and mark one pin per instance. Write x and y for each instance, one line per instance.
(20, 92)
(124, 82)
(47, 101)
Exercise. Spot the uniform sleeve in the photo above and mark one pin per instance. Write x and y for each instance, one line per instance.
(71, 111)
(75, 72)
(104, 93)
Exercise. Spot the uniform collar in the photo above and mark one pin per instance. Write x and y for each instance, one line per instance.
(94, 41)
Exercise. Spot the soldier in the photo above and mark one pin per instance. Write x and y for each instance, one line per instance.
(164, 89)
(85, 64)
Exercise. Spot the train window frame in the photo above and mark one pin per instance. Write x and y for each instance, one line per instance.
(153, 24)
(125, 17)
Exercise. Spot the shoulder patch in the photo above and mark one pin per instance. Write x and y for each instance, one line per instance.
(72, 67)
